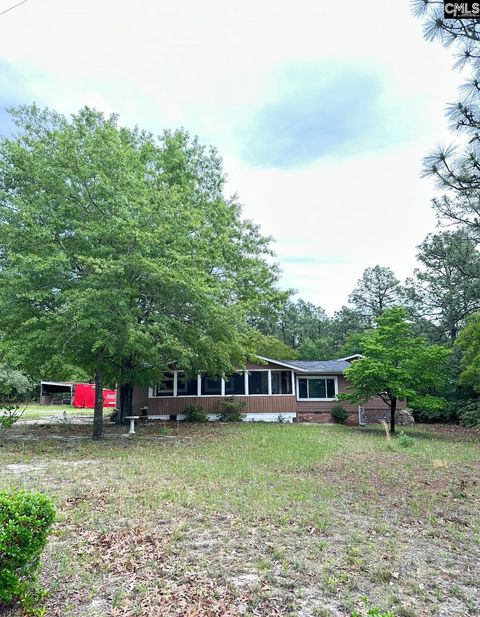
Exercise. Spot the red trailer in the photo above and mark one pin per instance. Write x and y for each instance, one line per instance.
(77, 394)
(84, 396)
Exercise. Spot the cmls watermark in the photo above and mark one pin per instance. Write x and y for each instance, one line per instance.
(461, 10)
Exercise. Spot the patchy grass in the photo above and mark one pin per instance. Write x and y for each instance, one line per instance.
(254, 519)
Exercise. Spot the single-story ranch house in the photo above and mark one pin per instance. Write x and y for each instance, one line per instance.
(300, 391)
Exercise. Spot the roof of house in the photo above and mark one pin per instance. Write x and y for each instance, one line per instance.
(316, 366)
(320, 366)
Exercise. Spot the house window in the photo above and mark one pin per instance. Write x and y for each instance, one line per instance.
(281, 382)
(165, 387)
(186, 387)
(211, 385)
(258, 382)
(235, 384)
(317, 388)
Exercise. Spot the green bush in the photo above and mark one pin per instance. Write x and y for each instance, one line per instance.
(195, 413)
(25, 521)
(231, 410)
(9, 414)
(469, 413)
(373, 612)
(404, 440)
(114, 415)
(339, 414)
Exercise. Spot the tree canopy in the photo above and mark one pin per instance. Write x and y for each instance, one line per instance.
(376, 290)
(446, 289)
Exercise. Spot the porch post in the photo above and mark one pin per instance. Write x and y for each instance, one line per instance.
(293, 381)
(269, 382)
(199, 385)
(175, 383)
(246, 383)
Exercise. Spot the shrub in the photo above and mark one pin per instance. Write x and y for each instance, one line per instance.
(9, 414)
(114, 415)
(25, 521)
(195, 413)
(373, 612)
(339, 414)
(404, 440)
(231, 410)
(469, 413)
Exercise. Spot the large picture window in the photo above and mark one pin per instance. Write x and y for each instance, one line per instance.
(317, 388)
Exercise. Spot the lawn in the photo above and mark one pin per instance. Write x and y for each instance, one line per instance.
(254, 519)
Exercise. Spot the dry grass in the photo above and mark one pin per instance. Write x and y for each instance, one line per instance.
(254, 519)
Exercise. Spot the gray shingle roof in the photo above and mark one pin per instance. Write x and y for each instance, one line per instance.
(320, 366)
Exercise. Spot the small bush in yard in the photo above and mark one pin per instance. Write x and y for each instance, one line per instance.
(404, 440)
(195, 413)
(25, 521)
(374, 612)
(114, 415)
(9, 414)
(231, 410)
(339, 414)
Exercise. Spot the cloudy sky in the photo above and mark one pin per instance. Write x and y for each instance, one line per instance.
(321, 110)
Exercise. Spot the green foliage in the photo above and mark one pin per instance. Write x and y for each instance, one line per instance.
(445, 413)
(397, 365)
(404, 440)
(14, 385)
(469, 413)
(272, 347)
(373, 612)
(114, 415)
(195, 413)
(25, 521)
(377, 290)
(231, 410)
(318, 349)
(446, 290)
(9, 414)
(339, 414)
(469, 343)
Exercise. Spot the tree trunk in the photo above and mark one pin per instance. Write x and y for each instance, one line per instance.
(393, 408)
(98, 411)
(126, 402)
(126, 390)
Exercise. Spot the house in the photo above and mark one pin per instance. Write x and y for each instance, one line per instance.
(300, 391)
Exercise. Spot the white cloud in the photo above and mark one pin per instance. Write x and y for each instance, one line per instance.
(207, 66)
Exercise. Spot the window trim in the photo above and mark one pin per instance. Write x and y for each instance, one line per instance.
(334, 377)
(176, 394)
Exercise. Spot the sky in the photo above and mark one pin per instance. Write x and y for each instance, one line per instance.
(322, 111)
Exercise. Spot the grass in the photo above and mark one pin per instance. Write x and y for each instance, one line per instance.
(254, 519)
(34, 411)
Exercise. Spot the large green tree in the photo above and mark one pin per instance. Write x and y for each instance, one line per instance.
(377, 289)
(446, 289)
(398, 365)
(120, 253)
